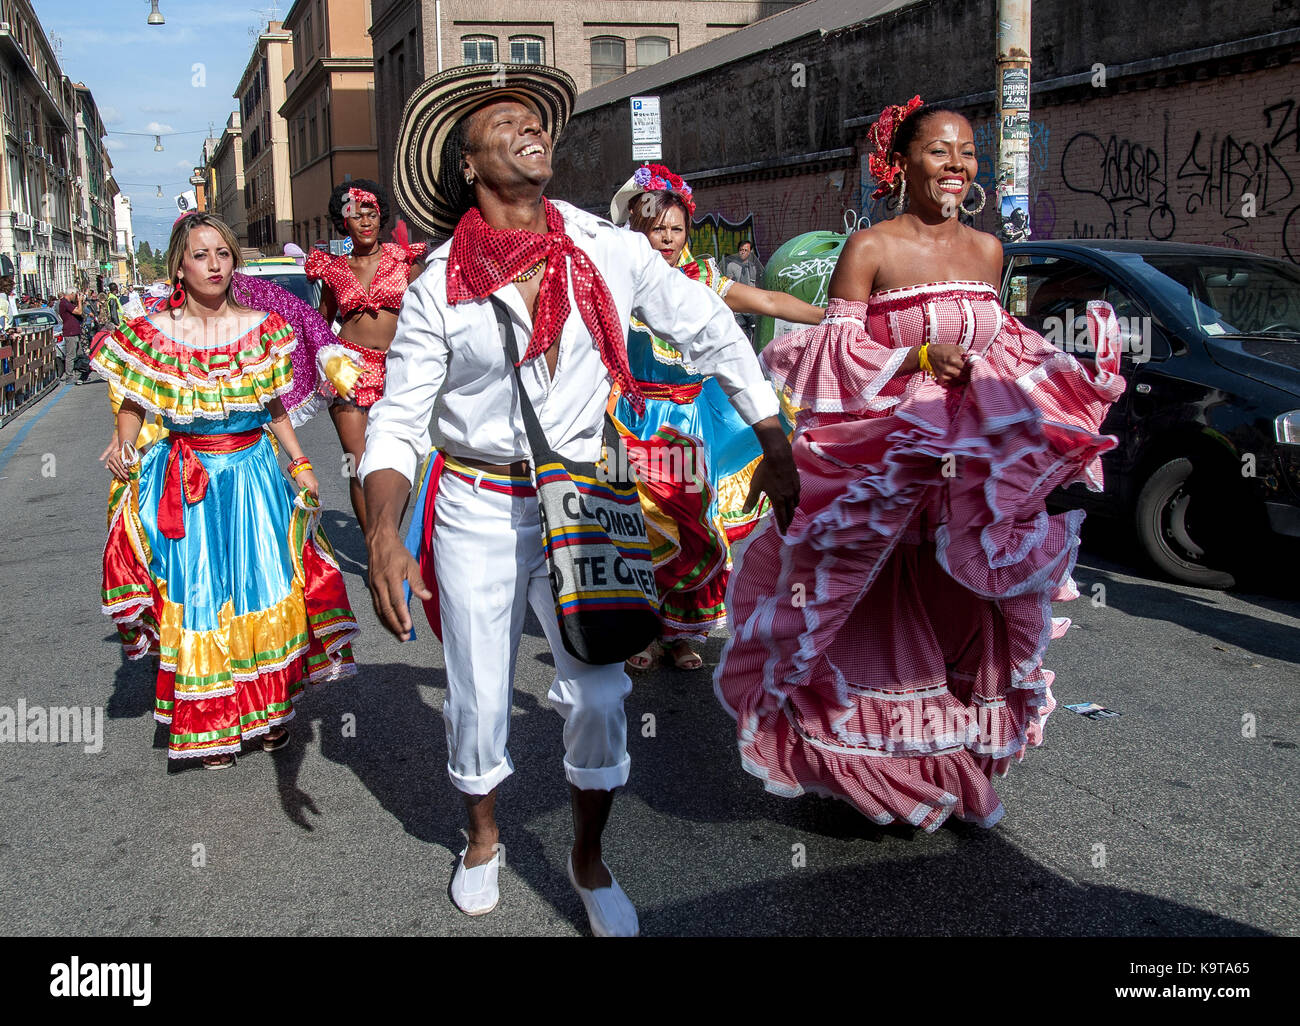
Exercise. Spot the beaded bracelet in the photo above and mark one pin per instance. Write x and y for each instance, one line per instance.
(298, 466)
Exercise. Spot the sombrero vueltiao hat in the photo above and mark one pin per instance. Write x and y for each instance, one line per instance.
(440, 102)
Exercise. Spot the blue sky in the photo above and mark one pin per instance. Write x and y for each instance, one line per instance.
(143, 80)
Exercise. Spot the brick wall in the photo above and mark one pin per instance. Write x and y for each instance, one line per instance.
(1179, 163)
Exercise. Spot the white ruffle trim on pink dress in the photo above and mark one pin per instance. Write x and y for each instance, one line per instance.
(897, 661)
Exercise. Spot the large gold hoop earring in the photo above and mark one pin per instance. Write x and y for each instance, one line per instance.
(899, 202)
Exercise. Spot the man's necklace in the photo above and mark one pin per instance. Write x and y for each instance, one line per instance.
(530, 273)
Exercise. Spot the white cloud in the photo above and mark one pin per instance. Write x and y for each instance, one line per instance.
(114, 145)
(111, 115)
(159, 129)
(187, 165)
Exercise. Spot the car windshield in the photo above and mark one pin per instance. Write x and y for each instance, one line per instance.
(1229, 296)
(299, 284)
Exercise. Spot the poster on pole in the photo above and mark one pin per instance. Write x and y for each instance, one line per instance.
(647, 139)
(1015, 88)
(1014, 214)
(187, 201)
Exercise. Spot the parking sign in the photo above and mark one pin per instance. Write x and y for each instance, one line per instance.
(646, 132)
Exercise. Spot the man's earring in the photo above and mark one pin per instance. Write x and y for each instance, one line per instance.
(469, 179)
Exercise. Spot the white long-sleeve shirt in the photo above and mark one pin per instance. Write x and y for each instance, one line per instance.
(454, 355)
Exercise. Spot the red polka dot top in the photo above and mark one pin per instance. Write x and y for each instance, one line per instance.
(387, 287)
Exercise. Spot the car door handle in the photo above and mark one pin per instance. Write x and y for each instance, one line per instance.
(1142, 389)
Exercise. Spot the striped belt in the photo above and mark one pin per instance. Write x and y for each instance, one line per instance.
(506, 484)
(680, 394)
(185, 481)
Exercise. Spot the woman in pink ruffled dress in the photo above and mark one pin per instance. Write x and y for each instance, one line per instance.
(896, 662)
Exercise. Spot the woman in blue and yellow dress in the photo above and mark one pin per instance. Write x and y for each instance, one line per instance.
(214, 560)
(694, 456)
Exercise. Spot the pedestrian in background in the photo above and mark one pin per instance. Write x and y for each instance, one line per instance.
(70, 311)
(745, 268)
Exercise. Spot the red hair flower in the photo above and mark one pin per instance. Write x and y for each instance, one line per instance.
(882, 135)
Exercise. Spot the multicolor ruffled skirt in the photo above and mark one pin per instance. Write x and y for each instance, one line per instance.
(695, 458)
(242, 609)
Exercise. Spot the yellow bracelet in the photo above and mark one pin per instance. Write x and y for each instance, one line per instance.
(299, 469)
(923, 359)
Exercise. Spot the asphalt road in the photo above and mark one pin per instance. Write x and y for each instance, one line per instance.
(1168, 820)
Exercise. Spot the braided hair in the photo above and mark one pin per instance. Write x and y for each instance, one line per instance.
(339, 199)
(451, 172)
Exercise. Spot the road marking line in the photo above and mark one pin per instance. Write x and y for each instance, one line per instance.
(7, 452)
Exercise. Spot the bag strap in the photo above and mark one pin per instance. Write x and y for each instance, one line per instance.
(536, 437)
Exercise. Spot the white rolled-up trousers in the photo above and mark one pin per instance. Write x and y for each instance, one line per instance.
(487, 549)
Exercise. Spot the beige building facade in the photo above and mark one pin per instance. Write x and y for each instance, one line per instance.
(594, 42)
(40, 202)
(227, 177)
(268, 197)
(329, 108)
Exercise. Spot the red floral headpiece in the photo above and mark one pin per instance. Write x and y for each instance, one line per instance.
(657, 178)
(882, 136)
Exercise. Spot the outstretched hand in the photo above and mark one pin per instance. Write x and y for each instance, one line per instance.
(391, 566)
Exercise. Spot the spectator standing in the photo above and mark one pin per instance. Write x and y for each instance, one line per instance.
(745, 268)
(113, 306)
(70, 312)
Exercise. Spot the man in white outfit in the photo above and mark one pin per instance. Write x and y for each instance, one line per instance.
(476, 157)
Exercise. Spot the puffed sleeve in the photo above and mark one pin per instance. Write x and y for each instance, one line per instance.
(836, 366)
(318, 262)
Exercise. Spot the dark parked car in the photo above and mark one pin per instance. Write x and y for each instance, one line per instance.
(1208, 462)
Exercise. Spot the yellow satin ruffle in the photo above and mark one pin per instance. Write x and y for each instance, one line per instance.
(206, 666)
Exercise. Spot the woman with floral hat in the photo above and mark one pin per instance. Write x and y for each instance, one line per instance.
(695, 456)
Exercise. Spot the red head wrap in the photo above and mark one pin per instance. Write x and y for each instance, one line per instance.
(882, 135)
(357, 198)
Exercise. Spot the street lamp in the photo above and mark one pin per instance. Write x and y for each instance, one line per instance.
(155, 18)
(160, 192)
(157, 144)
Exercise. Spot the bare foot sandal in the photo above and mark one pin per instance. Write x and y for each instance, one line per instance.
(218, 762)
(647, 659)
(684, 657)
(275, 739)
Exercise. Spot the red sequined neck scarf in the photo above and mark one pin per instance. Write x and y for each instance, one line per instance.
(483, 259)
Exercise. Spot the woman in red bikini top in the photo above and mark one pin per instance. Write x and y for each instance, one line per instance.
(364, 291)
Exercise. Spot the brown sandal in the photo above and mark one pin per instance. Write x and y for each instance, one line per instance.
(647, 659)
(273, 742)
(684, 658)
(218, 762)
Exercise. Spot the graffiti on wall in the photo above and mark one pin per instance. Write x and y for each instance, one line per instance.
(713, 235)
(1221, 184)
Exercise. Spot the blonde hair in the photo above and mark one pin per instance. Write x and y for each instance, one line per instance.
(180, 238)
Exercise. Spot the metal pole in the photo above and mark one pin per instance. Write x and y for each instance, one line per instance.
(437, 17)
(1012, 111)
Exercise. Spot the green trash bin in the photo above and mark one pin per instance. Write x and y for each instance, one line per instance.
(802, 267)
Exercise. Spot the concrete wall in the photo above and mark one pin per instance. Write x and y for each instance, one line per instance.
(1167, 154)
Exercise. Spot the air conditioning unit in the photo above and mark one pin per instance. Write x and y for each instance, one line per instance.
(27, 137)
(22, 220)
(46, 228)
(40, 152)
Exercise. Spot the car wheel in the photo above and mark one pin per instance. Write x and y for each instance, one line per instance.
(1180, 526)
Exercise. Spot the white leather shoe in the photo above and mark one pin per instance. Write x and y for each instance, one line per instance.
(610, 911)
(474, 889)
